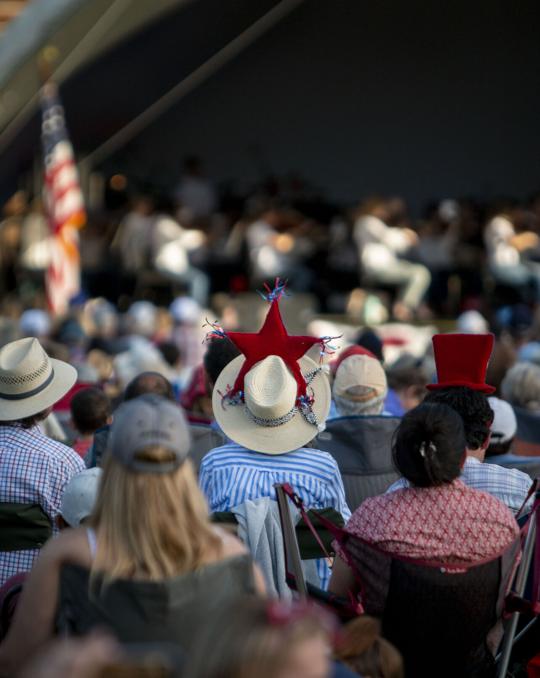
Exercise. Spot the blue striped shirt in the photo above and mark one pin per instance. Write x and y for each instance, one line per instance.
(230, 475)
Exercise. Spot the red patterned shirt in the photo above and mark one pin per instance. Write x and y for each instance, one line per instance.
(450, 523)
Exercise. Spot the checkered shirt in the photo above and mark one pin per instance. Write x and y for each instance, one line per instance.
(33, 469)
(509, 485)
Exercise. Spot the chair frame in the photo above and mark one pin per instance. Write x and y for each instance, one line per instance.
(293, 561)
(510, 638)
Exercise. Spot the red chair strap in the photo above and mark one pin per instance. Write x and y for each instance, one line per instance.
(307, 520)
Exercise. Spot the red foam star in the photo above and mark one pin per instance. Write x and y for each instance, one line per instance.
(272, 339)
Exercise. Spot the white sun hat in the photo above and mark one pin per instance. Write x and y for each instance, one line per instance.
(504, 425)
(270, 420)
(30, 381)
(80, 496)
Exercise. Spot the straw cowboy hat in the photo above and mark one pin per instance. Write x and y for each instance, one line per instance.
(272, 398)
(270, 420)
(30, 381)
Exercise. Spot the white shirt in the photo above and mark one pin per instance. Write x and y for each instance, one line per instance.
(497, 236)
(378, 243)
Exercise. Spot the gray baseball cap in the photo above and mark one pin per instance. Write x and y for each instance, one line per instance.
(147, 421)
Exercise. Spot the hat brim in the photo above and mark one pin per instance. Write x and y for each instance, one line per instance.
(65, 376)
(237, 425)
(483, 388)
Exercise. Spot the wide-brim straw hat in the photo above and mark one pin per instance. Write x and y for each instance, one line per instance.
(268, 420)
(30, 381)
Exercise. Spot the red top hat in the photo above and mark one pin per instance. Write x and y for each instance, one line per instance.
(462, 360)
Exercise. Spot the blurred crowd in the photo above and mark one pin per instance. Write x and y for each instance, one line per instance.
(369, 258)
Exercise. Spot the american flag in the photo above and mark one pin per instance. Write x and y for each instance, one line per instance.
(64, 203)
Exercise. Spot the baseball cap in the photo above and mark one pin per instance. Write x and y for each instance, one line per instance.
(149, 420)
(35, 323)
(80, 496)
(504, 426)
(472, 322)
(185, 310)
(347, 353)
(360, 378)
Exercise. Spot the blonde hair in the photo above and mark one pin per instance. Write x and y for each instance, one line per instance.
(362, 649)
(151, 525)
(241, 641)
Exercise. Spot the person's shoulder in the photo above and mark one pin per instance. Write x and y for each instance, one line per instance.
(485, 503)
(63, 454)
(512, 473)
(69, 546)
(221, 453)
(377, 502)
(316, 456)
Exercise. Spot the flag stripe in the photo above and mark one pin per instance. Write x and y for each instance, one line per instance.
(65, 204)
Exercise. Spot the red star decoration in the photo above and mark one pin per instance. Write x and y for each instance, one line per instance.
(272, 339)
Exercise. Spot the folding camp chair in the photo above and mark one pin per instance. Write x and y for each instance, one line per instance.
(203, 439)
(516, 604)
(437, 615)
(344, 608)
(173, 610)
(362, 447)
(23, 526)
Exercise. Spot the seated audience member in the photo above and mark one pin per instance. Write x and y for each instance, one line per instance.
(359, 386)
(507, 253)
(143, 384)
(381, 251)
(79, 498)
(521, 386)
(362, 649)
(267, 639)
(436, 517)
(434, 557)
(370, 340)
(149, 565)
(219, 353)
(197, 398)
(461, 361)
(90, 410)
(334, 364)
(186, 314)
(34, 469)
(503, 430)
(149, 382)
(505, 448)
(406, 386)
(173, 357)
(271, 401)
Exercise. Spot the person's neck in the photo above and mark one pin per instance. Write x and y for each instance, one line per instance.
(86, 436)
(479, 453)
